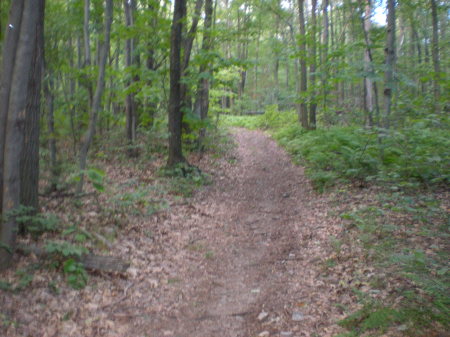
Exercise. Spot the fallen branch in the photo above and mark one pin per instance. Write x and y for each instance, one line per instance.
(89, 261)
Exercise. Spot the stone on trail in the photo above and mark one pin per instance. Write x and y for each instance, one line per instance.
(297, 316)
(262, 316)
(264, 334)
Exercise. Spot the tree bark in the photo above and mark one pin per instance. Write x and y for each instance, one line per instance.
(175, 97)
(389, 83)
(29, 165)
(303, 112)
(130, 101)
(202, 100)
(23, 48)
(90, 133)
(325, 44)
(312, 68)
(368, 85)
(8, 60)
(435, 55)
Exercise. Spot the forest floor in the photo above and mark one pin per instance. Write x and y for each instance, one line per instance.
(245, 256)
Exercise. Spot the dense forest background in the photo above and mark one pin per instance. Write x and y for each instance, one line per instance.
(352, 97)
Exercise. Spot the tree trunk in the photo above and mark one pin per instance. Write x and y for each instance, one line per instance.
(312, 68)
(130, 101)
(202, 100)
(8, 60)
(29, 165)
(368, 85)
(89, 135)
(49, 100)
(370, 101)
(435, 55)
(389, 62)
(22, 47)
(325, 44)
(175, 97)
(303, 70)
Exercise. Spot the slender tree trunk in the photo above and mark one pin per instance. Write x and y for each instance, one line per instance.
(303, 70)
(435, 55)
(325, 44)
(202, 100)
(49, 100)
(368, 85)
(389, 82)
(187, 44)
(18, 79)
(312, 68)
(130, 101)
(90, 133)
(175, 98)
(87, 47)
(368, 64)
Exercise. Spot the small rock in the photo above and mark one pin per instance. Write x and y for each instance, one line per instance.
(297, 316)
(264, 334)
(285, 333)
(262, 316)
(402, 327)
(286, 195)
(255, 291)
(291, 255)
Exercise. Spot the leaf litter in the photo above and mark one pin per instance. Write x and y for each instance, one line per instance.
(244, 256)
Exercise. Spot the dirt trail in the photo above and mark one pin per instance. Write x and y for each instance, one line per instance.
(243, 258)
(258, 248)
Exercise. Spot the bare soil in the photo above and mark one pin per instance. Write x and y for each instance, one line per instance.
(244, 257)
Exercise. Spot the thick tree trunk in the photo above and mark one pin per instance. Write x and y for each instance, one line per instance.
(303, 70)
(389, 82)
(29, 165)
(175, 98)
(89, 135)
(18, 80)
(8, 60)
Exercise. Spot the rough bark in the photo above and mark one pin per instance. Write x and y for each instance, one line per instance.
(23, 49)
(389, 62)
(435, 55)
(8, 59)
(312, 68)
(325, 43)
(202, 99)
(130, 100)
(368, 71)
(90, 133)
(303, 112)
(175, 97)
(29, 164)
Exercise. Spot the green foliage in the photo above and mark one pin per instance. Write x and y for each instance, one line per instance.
(371, 317)
(64, 249)
(415, 155)
(414, 254)
(36, 224)
(77, 276)
(184, 179)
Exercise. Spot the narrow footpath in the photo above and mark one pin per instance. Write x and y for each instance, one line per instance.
(263, 240)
